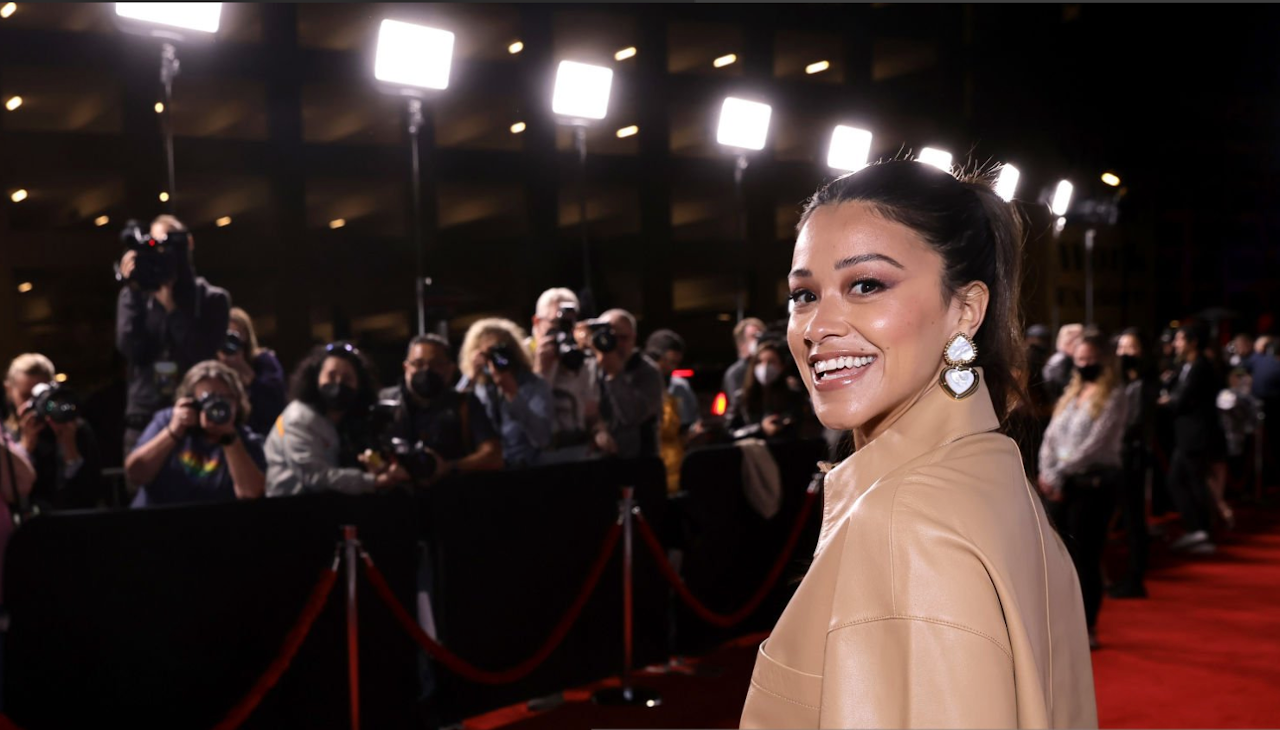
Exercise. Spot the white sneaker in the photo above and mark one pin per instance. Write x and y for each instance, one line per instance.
(1202, 548)
(1189, 539)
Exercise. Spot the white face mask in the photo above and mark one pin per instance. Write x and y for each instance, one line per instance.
(766, 374)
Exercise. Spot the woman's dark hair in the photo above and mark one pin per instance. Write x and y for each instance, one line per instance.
(755, 395)
(979, 237)
(304, 383)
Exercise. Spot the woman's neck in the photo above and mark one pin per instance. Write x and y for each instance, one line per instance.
(867, 432)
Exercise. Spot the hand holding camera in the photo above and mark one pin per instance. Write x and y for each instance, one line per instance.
(185, 417)
(232, 354)
(604, 342)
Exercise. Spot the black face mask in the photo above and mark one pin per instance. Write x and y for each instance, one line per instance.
(338, 396)
(426, 384)
(1089, 373)
(1128, 362)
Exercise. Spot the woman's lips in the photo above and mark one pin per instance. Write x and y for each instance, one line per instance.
(844, 379)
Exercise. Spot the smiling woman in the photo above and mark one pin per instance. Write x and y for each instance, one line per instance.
(939, 594)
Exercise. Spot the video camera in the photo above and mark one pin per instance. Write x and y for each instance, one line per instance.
(571, 356)
(54, 403)
(158, 261)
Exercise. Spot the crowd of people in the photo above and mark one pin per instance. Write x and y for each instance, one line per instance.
(1108, 426)
(1117, 425)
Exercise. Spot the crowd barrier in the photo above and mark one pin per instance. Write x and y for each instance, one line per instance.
(213, 616)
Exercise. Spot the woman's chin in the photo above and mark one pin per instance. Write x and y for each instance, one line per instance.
(838, 418)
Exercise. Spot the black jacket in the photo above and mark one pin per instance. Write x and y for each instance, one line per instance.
(146, 334)
(52, 490)
(1196, 425)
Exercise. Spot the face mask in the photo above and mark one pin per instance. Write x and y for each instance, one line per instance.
(1128, 362)
(337, 396)
(1089, 373)
(426, 384)
(766, 374)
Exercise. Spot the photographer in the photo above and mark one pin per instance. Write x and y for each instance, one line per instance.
(679, 424)
(60, 444)
(167, 318)
(745, 335)
(773, 403)
(560, 359)
(517, 401)
(630, 388)
(318, 443)
(259, 370)
(199, 450)
(450, 428)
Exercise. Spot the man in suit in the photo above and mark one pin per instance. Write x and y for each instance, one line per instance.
(1197, 433)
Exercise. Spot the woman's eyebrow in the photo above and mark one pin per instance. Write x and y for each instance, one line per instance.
(851, 261)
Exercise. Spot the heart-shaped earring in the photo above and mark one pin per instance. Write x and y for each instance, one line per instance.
(959, 380)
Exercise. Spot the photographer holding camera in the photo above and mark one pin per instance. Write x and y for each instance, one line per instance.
(630, 386)
(200, 449)
(259, 370)
(560, 359)
(167, 318)
(62, 448)
(436, 429)
(321, 442)
(516, 399)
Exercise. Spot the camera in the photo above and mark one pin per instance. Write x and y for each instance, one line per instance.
(412, 456)
(157, 261)
(502, 358)
(603, 337)
(216, 409)
(571, 356)
(54, 403)
(233, 343)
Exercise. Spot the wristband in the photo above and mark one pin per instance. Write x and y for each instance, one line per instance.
(169, 430)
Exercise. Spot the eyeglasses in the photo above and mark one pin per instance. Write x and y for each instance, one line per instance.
(344, 346)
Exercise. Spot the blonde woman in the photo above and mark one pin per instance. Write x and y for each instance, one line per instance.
(498, 369)
(259, 369)
(200, 449)
(1080, 464)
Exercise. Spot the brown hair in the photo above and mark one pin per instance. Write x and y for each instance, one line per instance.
(242, 318)
(979, 237)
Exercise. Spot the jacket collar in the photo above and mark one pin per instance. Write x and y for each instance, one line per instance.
(934, 420)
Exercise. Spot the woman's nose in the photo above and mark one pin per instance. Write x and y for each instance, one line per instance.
(828, 320)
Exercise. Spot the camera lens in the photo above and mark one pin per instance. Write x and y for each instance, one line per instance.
(216, 409)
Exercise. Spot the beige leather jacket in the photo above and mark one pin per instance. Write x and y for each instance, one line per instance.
(939, 596)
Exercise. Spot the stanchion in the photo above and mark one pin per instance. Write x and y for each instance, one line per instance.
(628, 694)
(350, 545)
(1259, 463)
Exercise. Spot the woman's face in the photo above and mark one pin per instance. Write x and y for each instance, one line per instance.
(240, 330)
(338, 370)
(869, 289)
(1128, 345)
(769, 358)
(1085, 354)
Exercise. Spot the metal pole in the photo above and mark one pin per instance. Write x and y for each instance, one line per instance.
(1259, 434)
(580, 144)
(1088, 275)
(169, 67)
(1051, 282)
(415, 126)
(740, 199)
(350, 543)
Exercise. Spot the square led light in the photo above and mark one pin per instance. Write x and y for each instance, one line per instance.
(850, 148)
(743, 123)
(1007, 183)
(582, 90)
(202, 17)
(937, 158)
(413, 55)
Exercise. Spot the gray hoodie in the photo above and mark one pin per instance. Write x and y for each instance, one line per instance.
(302, 456)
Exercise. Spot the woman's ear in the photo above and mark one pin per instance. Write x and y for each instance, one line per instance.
(973, 300)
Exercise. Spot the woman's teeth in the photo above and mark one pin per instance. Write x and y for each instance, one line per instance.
(835, 364)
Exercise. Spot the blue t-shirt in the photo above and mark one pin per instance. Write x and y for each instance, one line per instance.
(196, 470)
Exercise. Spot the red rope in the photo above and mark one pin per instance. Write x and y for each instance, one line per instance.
(292, 641)
(725, 621)
(482, 676)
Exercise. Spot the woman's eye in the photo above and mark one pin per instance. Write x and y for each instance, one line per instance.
(801, 296)
(867, 286)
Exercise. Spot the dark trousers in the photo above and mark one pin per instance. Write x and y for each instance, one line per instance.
(1190, 489)
(1132, 496)
(1084, 512)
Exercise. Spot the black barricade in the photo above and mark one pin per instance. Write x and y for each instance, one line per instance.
(166, 617)
(510, 555)
(728, 547)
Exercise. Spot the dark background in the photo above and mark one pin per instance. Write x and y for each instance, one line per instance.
(279, 126)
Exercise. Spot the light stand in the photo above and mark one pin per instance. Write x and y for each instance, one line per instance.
(586, 299)
(743, 126)
(169, 68)
(415, 127)
(740, 198)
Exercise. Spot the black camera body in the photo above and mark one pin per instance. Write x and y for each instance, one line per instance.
(571, 356)
(411, 455)
(233, 343)
(502, 358)
(216, 409)
(157, 262)
(54, 403)
(604, 339)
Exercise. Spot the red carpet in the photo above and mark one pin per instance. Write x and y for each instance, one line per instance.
(1202, 652)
